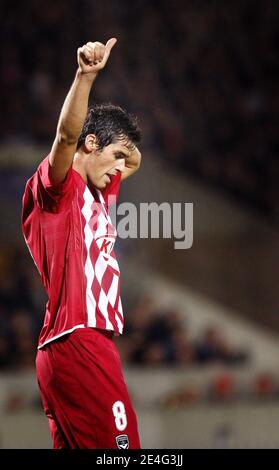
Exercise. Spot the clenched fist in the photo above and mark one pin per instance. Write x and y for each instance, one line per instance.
(93, 56)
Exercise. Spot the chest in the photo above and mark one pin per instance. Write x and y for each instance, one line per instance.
(96, 228)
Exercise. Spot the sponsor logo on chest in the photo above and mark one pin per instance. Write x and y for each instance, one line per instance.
(106, 243)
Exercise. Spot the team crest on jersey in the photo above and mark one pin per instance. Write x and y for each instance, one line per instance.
(122, 441)
(105, 244)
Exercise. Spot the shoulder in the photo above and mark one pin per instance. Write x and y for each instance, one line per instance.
(48, 196)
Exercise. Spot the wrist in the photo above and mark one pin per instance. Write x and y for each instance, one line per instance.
(88, 77)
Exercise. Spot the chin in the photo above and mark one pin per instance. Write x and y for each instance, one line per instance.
(100, 185)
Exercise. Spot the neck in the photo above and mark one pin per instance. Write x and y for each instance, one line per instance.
(79, 166)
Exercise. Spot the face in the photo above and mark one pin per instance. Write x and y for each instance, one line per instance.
(101, 165)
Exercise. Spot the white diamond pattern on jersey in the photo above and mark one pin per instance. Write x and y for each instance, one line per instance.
(99, 230)
(120, 309)
(103, 306)
(88, 268)
(112, 295)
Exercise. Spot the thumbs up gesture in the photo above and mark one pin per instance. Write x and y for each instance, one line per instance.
(93, 56)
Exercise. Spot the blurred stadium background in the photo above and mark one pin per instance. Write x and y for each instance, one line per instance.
(201, 349)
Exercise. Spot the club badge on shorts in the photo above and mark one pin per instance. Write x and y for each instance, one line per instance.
(122, 441)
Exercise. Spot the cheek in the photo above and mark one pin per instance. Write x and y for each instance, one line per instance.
(95, 168)
(97, 175)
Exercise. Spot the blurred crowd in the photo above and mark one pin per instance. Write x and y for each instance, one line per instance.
(201, 76)
(152, 336)
(160, 336)
(22, 306)
(224, 387)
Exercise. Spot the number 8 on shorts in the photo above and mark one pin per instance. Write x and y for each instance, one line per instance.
(119, 414)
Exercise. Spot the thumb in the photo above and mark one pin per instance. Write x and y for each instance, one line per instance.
(110, 43)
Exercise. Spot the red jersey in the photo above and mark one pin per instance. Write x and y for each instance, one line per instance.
(69, 233)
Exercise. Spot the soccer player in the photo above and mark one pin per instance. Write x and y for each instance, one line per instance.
(68, 230)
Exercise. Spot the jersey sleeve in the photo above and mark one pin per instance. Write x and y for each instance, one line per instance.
(111, 191)
(50, 197)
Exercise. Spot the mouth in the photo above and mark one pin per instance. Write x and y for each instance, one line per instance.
(109, 175)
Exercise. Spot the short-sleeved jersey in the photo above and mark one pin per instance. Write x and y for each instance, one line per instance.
(70, 235)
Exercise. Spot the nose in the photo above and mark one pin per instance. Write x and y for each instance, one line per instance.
(120, 164)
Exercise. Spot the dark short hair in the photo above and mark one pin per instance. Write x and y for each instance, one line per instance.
(110, 123)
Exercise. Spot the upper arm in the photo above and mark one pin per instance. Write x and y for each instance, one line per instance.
(61, 158)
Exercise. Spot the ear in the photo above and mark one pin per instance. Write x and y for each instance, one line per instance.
(90, 143)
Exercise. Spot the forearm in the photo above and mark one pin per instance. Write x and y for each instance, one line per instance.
(92, 58)
(74, 109)
(132, 164)
(134, 159)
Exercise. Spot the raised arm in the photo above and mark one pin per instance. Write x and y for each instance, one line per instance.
(91, 58)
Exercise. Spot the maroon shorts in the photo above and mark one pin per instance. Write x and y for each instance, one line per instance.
(84, 394)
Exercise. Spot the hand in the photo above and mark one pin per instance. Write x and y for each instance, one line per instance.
(93, 56)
